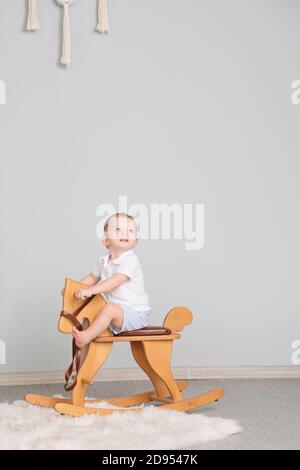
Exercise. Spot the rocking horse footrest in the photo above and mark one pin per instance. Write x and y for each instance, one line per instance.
(147, 331)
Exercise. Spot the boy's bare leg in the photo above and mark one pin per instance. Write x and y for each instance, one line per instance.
(111, 313)
(84, 350)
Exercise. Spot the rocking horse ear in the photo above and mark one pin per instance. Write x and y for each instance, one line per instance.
(177, 318)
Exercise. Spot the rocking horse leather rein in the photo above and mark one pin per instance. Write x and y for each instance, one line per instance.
(76, 352)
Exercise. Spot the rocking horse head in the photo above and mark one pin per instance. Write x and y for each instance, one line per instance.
(74, 310)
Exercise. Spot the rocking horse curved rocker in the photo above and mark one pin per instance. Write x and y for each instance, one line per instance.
(151, 348)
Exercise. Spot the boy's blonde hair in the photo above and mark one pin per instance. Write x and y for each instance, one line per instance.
(117, 214)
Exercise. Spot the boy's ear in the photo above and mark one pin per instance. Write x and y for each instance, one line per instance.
(105, 240)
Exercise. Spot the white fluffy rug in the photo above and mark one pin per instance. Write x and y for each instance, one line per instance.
(23, 426)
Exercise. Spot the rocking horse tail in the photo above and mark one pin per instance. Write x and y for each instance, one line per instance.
(177, 318)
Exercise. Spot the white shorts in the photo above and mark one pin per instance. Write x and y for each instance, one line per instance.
(132, 320)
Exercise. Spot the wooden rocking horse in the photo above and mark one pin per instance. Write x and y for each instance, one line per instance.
(151, 348)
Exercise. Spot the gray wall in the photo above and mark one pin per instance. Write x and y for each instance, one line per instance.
(183, 102)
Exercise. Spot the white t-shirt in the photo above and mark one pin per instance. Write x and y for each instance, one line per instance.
(131, 292)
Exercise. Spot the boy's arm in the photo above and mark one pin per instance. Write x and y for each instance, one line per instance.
(109, 284)
(102, 286)
(90, 279)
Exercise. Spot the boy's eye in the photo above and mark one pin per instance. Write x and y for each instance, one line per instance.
(130, 230)
(117, 229)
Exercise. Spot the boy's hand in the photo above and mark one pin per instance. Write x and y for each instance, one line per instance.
(82, 294)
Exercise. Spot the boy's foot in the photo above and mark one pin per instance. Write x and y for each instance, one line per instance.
(81, 337)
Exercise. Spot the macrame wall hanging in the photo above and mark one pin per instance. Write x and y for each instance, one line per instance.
(33, 24)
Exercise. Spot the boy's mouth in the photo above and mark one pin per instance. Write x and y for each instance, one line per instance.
(123, 239)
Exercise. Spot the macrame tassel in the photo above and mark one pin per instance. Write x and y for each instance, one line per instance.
(32, 18)
(66, 46)
(103, 25)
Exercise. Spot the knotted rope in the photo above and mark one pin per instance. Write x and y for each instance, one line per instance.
(32, 18)
(66, 45)
(103, 24)
(33, 24)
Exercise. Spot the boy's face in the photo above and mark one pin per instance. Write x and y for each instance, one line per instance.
(121, 233)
